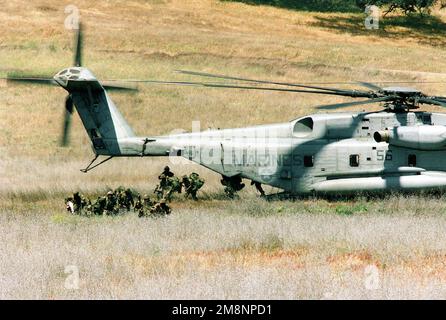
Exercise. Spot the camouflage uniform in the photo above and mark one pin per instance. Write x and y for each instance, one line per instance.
(164, 184)
(230, 192)
(160, 208)
(165, 207)
(129, 199)
(146, 202)
(139, 207)
(69, 205)
(79, 202)
(143, 206)
(186, 184)
(111, 205)
(259, 188)
(173, 185)
(123, 201)
(99, 206)
(192, 184)
(89, 210)
(232, 185)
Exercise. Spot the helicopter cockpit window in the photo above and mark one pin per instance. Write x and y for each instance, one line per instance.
(354, 160)
(303, 127)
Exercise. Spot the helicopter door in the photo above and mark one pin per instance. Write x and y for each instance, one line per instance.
(354, 159)
(305, 162)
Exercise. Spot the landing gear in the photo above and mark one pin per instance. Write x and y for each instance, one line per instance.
(232, 185)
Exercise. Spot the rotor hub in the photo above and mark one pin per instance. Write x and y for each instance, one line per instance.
(73, 74)
(401, 91)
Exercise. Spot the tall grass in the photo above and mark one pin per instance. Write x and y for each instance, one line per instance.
(198, 253)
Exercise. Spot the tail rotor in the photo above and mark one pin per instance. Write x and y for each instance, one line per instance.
(69, 105)
(69, 108)
(78, 42)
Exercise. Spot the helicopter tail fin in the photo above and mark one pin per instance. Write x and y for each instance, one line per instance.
(103, 122)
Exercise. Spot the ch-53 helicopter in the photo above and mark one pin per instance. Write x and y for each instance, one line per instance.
(396, 148)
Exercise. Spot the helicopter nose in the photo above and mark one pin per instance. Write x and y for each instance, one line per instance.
(73, 74)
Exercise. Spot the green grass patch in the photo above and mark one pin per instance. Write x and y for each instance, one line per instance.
(347, 210)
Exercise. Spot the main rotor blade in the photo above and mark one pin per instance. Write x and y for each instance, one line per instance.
(108, 85)
(369, 85)
(44, 81)
(432, 101)
(78, 47)
(235, 86)
(438, 98)
(355, 103)
(69, 107)
(209, 75)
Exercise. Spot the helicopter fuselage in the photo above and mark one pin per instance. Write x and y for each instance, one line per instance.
(334, 152)
(393, 149)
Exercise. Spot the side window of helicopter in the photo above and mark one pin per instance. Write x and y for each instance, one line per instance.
(354, 160)
(412, 160)
(308, 161)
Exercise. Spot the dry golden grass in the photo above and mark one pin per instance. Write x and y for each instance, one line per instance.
(220, 249)
(247, 248)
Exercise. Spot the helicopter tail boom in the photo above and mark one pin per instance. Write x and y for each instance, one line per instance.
(105, 126)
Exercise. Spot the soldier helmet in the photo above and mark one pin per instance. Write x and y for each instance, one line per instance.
(163, 201)
(166, 168)
(146, 196)
(110, 193)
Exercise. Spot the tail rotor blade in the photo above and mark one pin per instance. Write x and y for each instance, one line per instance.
(67, 121)
(78, 47)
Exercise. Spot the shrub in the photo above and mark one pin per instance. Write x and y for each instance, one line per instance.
(406, 6)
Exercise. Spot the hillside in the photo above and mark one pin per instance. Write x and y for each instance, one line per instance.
(150, 39)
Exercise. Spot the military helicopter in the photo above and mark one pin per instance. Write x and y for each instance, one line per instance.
(397, 148)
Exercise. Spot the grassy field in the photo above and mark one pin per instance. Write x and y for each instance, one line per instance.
(389, 247)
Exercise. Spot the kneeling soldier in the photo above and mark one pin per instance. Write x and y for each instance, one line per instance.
(161, 208)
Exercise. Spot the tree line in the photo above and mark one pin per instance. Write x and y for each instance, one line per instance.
(387, 6)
